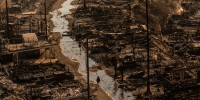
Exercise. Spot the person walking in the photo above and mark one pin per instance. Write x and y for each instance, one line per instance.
(98, 80)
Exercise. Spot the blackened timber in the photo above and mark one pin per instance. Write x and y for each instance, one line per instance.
(133, 45)
(87, 66)
(6, 51)
(32, 72)
(41, 25)
(7, 19)
(114, 59)
(148, 92)
(45, 10)
(85, 7)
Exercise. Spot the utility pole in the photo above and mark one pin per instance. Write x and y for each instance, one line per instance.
(87, 67)
(7, 19)
(148, 92)
(85, 7)
(87, 59)
(41, 23)
(132, 33)
(115, 66)
(45, 10)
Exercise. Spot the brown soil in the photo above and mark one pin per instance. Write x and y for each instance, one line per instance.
(101, 95)
(57, 5)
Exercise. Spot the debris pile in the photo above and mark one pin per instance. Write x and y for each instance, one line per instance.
(115, 32)
(29, 67)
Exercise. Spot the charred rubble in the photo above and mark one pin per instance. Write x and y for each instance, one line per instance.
(116, 32)
(29, 68)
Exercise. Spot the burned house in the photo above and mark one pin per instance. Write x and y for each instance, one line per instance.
(3, 5)
(27, 58)
(118, 39)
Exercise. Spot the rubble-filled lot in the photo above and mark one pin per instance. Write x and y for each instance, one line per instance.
(29, 67)
(116, 32)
